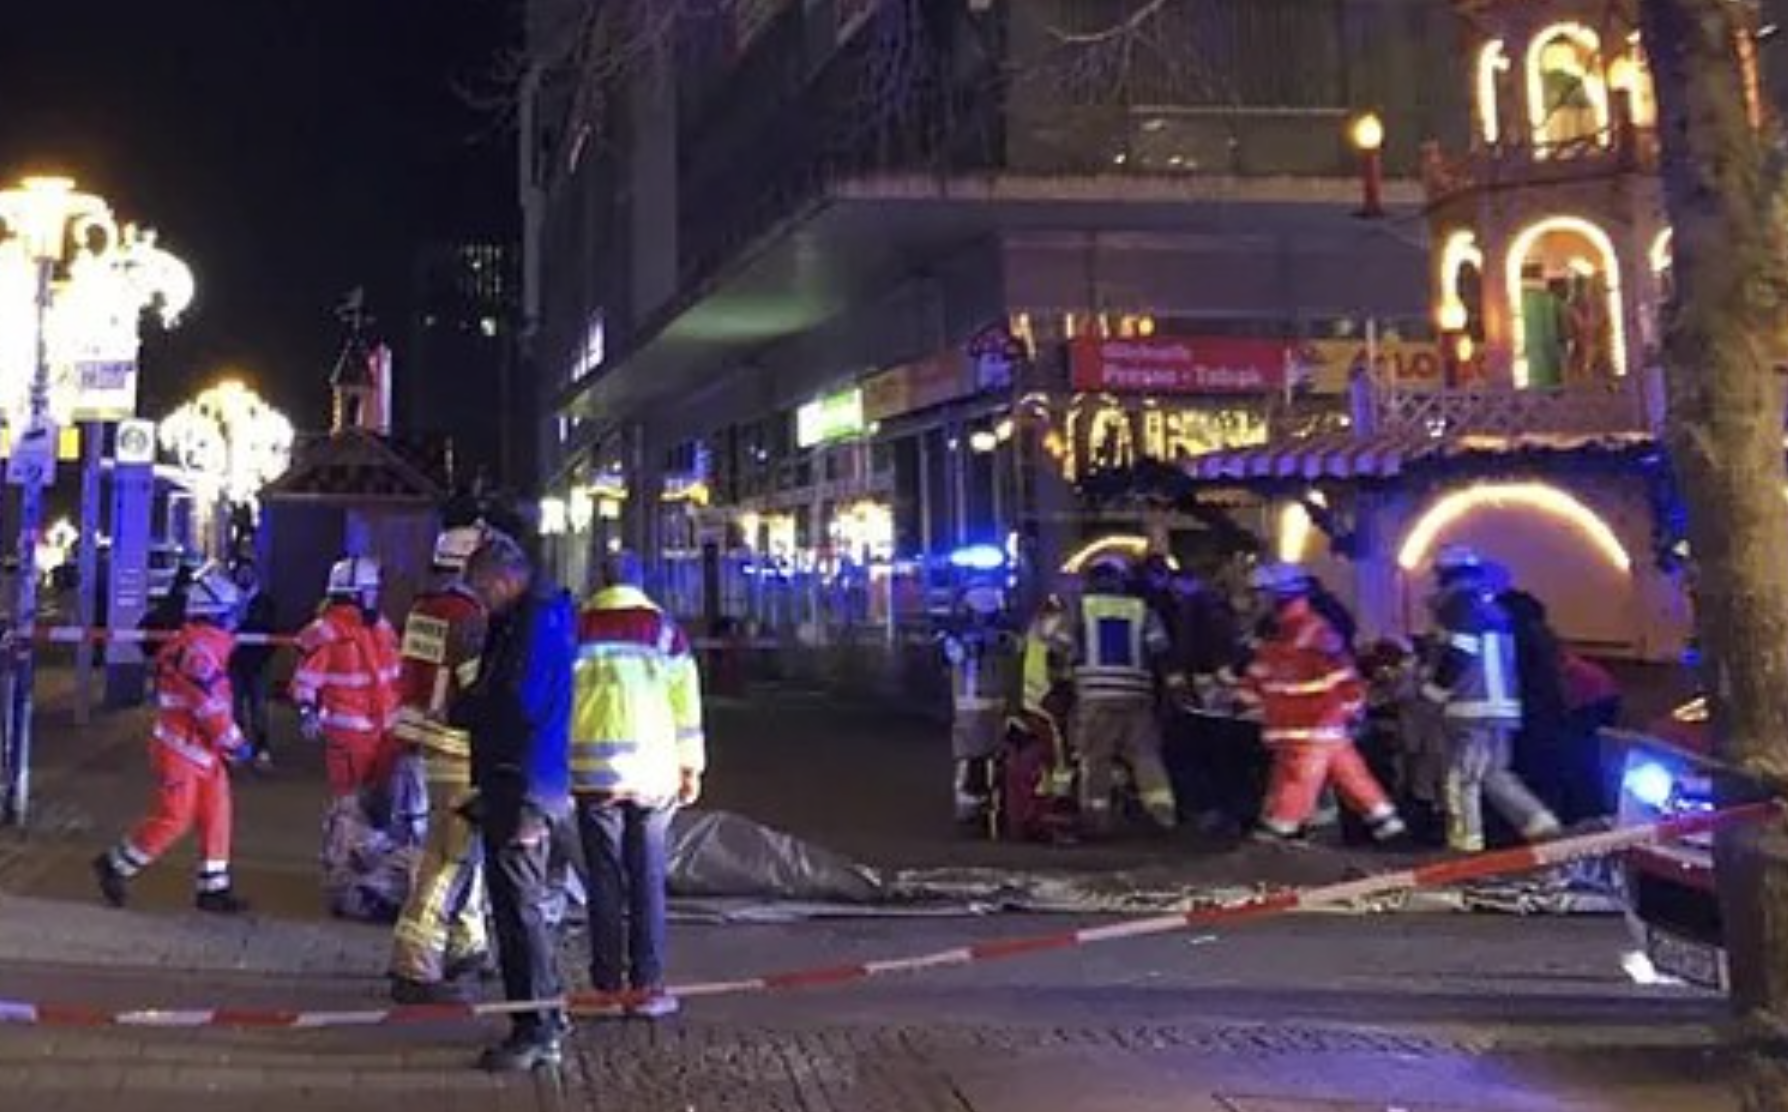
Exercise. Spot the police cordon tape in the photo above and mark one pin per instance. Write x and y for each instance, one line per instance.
(76, 635)
(1440, 874)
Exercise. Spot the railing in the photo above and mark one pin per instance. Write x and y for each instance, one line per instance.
(1616, 408)
(1520, 161)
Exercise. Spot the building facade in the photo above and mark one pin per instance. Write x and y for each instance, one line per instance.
(830, 290)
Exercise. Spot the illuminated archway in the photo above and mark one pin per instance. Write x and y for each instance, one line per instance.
(1129, 546)
(1493, 62)
(1602, 246)
(1540, 498)
(1573, 51)
(1458, 252)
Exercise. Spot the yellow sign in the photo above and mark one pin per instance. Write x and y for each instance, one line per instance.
(68, 443)
(1113, 436)
(1329, 365)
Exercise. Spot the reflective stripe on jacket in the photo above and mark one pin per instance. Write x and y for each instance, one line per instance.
(349, 671)
(981, 670)
(1115, 645)
(636, 723)
(1303, 681)
(443, 639)
(1475, 678)
(194, 707)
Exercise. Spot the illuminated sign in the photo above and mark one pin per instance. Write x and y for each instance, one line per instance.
(1179, 365)
(1113, 436)
(833, 417)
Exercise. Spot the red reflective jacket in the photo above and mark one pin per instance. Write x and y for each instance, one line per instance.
(443, 641)
(1303, 681)
(349, 673)
(195, 714)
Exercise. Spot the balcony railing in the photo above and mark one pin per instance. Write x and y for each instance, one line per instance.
(1521, 161)
(1618, 408)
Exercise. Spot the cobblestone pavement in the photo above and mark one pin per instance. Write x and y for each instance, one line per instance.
(1429, 1013)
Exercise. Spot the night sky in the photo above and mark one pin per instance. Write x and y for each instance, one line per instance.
(288, 149)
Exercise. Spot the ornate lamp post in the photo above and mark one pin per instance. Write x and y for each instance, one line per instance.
(89, 282)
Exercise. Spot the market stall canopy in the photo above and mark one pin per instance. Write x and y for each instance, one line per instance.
(1346, 456)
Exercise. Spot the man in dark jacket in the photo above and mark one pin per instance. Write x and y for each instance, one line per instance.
(251, 665)
(519, 716)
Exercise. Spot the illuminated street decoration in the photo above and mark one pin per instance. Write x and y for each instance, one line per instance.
(230, 440)
(111, 277)
(1540, 498)
(1104, 435)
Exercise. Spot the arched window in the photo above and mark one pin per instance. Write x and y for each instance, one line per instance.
(1493, 62)
(1564, 292)
(1461, 306)
(1567, 92)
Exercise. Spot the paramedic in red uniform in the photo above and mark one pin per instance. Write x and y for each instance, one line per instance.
(194, 739)
(1302, 680)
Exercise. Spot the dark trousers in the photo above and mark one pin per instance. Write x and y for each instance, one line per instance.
(625, 850)
(251, 691)
(518, 853)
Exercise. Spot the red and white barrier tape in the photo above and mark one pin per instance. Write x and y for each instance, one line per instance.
(1440, 874)
(76, 635)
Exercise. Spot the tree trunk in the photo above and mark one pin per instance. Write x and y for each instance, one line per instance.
(1723, 344)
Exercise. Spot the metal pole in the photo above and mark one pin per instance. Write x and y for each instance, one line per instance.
(18, 797)
(93, 436)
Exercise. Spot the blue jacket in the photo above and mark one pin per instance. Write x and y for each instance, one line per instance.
(519, 710)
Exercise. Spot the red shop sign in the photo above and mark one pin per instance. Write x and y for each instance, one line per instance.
(1179, 365)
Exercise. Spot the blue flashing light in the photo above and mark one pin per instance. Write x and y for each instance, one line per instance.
(1651, 784)
(978, 557)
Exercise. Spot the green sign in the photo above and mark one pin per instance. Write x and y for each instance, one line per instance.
(833, 417)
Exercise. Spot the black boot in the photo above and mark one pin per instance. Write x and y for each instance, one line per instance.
(226, 902)
(113, 886)
(537, 1048)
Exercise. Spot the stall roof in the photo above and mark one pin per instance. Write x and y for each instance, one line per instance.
(358, 467)
(1387, 455)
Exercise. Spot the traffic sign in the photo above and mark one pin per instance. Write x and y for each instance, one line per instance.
(136, 442)
(33, 458)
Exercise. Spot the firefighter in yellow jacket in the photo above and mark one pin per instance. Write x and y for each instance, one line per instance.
(637, 754)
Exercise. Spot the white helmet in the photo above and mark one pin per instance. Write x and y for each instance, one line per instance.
(213, 595)
(454, 547)
(1457, 559)
(354, 576)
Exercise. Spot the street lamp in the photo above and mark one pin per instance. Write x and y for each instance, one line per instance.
(43, 218)
(231, 441)
(1366, 133)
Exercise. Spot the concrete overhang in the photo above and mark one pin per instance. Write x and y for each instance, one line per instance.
(864, 234)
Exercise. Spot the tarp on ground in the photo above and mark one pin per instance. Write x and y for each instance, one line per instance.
(726, 867)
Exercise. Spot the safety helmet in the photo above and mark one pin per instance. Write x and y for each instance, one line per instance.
(1108, 574)
(213, 595)
(454, 547)
(1283, 580)
(354, 576)
(1458, 560)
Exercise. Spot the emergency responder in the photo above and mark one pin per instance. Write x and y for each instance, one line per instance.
(638, 752)
(1301, 679)
(1048, 692)
(440, 935)
(1118, 646)
(980, 652)
(346, 692)
(194, 738)
(1474, 681)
